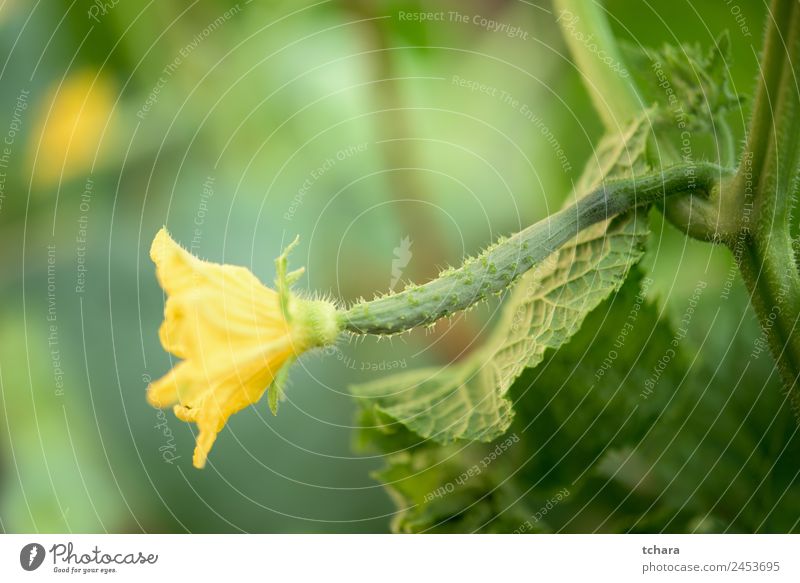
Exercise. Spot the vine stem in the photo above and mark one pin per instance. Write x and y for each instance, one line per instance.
(617, 100)
(594, 49)
(502, 264)
(767, 183)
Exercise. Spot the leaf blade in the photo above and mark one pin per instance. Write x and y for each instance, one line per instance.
(468, 400)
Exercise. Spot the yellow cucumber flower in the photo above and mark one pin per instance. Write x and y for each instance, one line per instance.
(235, 336)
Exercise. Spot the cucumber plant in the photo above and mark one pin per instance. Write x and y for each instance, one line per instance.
(441, 429)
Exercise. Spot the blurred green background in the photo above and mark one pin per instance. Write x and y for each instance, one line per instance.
(239, 126)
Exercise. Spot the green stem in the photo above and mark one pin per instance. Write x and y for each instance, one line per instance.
(765, 182)
(763, 187)
(726, 144)
(616, 99)
(503, 263)
(595, 51)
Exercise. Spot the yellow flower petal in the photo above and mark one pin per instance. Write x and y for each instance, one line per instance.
(205, 439)
(231, 334)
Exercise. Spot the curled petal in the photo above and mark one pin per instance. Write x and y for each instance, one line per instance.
(166, 390)
(206, 437)
(175, 267)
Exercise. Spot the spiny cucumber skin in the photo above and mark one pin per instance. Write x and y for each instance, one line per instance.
(505, 261)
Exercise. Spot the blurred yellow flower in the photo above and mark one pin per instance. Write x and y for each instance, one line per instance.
(236, 337)
(69, 126)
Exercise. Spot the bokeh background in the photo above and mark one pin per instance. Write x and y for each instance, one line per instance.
(377, 139)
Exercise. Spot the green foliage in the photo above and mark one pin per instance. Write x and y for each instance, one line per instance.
(572, 399)
(608, 438)
(713, 448)
(687, 81)
(615, 421)
(692, 94)
(469, 399)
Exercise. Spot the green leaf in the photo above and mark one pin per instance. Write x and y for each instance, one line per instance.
(692, 93)
(276, 390)
(725, 456)
(453, 489)
(689, 83)
(469, 400)
(586, 400)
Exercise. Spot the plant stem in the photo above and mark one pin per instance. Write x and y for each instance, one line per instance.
(503, 263)
(616, 98)
(592, 45)
(767, 179)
